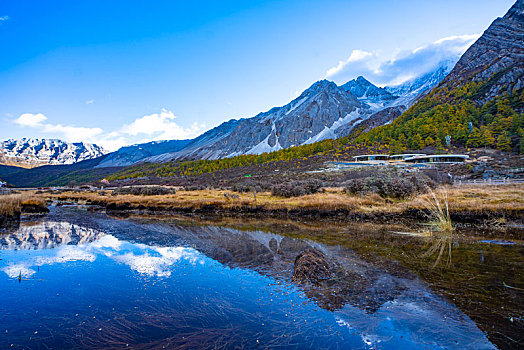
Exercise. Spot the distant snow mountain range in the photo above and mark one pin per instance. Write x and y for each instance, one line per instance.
(35, 152)
(325, 110)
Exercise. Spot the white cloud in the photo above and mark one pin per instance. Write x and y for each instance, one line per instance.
(111, 142)
(161, 126)
(4, 18)
(152, 260)
(90, 102)
(404, 65)
(31, 120)
(67, 132)
(18, 270)
(153, 127)
(150, 124)
(73, 133)
(355, 56)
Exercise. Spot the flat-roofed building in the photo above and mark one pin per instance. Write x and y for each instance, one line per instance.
(438, 158)
(404, 156)
(371, 157)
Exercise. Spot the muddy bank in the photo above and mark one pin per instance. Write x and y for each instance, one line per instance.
(414, 214)
(34, 208)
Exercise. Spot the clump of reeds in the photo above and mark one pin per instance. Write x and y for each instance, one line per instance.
(439, 213)
(441, 227)
(10, 205)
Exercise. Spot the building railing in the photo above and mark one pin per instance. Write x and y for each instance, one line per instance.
(5, 191)
(460, 182)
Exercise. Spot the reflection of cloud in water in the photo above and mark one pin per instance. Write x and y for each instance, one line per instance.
(15, 270)
(156, 260)
(148, 260)
(65, 254)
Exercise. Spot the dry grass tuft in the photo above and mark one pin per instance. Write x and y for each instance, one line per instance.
(439, 213)
(12, 204)
(442, 228)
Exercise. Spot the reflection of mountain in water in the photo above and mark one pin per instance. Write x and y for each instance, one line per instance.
(352, 280)
(48, 234)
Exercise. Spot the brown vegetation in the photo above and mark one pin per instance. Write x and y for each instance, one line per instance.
(491, 201)
(13, 204)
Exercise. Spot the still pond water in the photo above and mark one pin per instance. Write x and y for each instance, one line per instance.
(74, 279)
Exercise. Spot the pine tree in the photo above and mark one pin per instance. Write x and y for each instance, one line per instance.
(474, 138)
(487, 137)
(429, 141)
(440, 146)
(417, 142)
(504, 142)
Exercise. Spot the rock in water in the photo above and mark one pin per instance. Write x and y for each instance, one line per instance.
(311, 266)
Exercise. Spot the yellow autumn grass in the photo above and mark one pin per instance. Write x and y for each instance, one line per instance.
(12, 204)
(474, 199)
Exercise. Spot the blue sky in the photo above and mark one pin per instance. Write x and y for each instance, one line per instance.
(122, 72)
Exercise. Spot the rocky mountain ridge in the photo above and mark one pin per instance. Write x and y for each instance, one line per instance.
(128, 155)
(324, 110)
(498, 56)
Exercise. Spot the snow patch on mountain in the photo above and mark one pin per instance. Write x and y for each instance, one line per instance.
(329, 132)
(296, 105)
(264, 146)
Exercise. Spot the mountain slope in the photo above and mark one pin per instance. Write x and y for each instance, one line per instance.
(30, 152)
(197, 147)
(499, 51)
(480, 102)
(131, 154)
(311, 116)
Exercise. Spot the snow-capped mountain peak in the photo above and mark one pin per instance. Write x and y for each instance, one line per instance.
(30, 152)
(375, 97)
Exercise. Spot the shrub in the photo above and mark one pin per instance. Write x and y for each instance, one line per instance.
(144, 191)
(251, 186)
(239, 187)
(390, 185)
(296, 188)
(194, 188)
